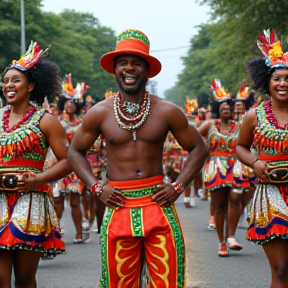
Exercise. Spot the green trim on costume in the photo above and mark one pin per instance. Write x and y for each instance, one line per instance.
(136, 215)
(179, 244)
(104, 251)
(137, 193)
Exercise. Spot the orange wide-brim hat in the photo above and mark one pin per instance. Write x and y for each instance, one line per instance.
(133, 42)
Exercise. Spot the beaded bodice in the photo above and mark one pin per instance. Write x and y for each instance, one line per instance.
(270, 140)
(219, 143)
(25, 147)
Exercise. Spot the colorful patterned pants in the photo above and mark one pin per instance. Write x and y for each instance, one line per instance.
(142, 236)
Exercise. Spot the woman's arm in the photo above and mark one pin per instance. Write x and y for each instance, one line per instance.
(56, 138)
(204, 128)
(245, 139)
(244, 143)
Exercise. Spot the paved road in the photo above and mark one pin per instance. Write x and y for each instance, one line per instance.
(80, 266)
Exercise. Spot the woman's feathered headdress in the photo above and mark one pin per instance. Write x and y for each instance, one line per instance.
(243, 93)
(67, 87)
(190, 106)
(219, 92)
(272, 50)
(30, 58)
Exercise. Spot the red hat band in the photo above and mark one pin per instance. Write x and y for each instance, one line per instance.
(133, 44)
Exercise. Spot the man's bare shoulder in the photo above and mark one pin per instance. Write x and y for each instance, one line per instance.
(164, 105)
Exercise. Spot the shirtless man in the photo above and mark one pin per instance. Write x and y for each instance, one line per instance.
(141, 221)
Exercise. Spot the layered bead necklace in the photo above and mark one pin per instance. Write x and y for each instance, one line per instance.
(24, 118)
(129, 115)
(271, 116)
(231, 125)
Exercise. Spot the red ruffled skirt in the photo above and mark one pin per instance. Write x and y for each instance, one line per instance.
(28, 221)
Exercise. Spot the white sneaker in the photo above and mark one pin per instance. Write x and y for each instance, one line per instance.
(85, 225)
(233, 244)
(192, 202)
(62, 231)
(186, 200)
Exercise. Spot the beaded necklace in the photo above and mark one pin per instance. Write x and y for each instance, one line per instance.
(218, 125)
(271, 116)
(130, 117)
(24, 118)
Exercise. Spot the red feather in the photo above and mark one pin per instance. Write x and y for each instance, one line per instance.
(262, 38)
(243, 86)
(272, 37)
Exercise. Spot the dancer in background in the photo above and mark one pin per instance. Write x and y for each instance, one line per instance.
(28, 222)
(70, 108)
(97, 156)
(191, 111)
(222, 175)
(265, 128)
(243, 101)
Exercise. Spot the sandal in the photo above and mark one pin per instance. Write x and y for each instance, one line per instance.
(223, 251)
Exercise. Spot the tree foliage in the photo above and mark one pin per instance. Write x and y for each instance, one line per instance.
(77, 42)
(222, 47)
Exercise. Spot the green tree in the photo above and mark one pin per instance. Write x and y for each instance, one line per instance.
(222, 47)
(77, 42)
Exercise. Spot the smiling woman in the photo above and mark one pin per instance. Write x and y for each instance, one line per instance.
(266, 129)
(29, 226)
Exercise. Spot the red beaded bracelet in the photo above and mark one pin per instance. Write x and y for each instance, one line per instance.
(96, 189)
(178, 187)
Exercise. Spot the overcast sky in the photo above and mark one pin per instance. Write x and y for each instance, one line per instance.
(169, 25)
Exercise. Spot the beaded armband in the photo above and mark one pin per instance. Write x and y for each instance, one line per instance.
(178, 187)
(96, 189)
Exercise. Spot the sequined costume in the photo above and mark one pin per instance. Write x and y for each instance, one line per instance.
(97, 160)
(27, 218)
(71, 183)
(269, 213)
(222, 169)
(173, 158)
(141, 229)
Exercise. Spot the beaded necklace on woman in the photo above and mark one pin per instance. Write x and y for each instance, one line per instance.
(22, 120)
(219, 126)
(129, 115)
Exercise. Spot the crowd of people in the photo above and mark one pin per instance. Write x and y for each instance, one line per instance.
(120, 164)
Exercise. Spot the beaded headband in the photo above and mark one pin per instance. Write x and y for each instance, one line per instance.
(219, 92)
(133, 34)
(30, 58)
(272, 50)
